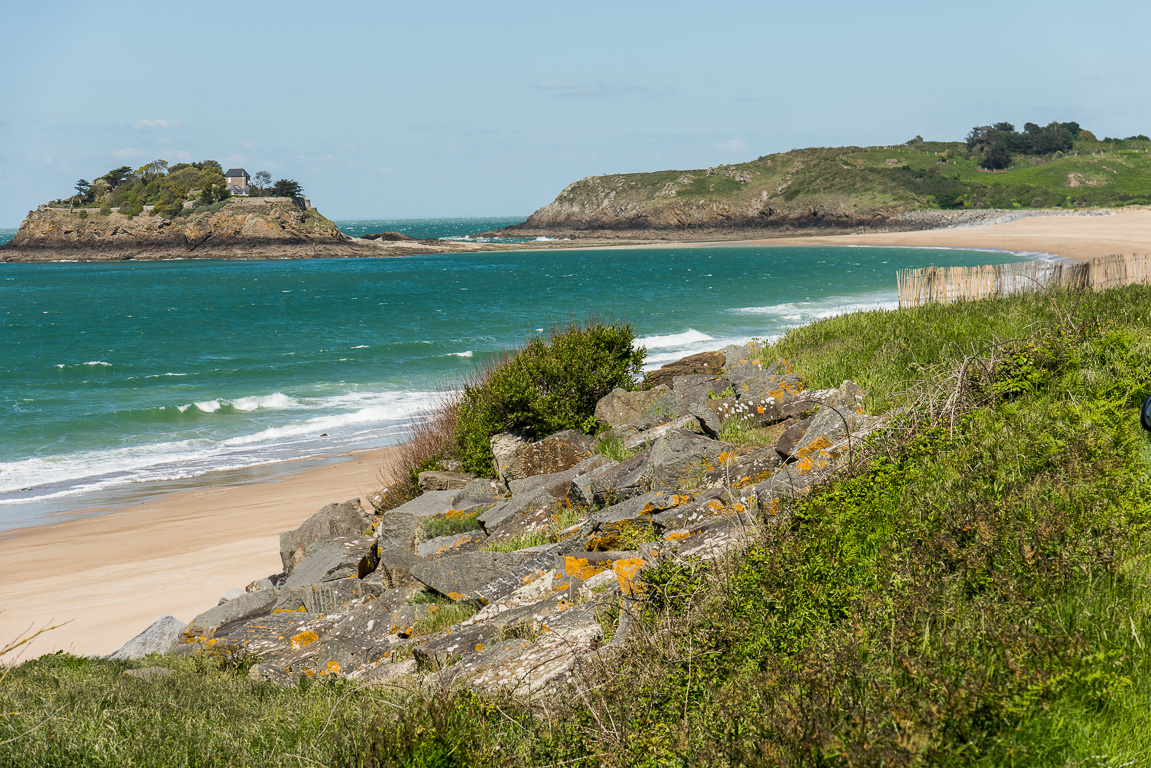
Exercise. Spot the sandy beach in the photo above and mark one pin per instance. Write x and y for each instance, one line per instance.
(111, 575)
(1071, 237)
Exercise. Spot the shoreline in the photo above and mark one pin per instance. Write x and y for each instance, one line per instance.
(110, 574)
(113, 569)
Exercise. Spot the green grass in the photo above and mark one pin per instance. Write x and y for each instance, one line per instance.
(456, 521)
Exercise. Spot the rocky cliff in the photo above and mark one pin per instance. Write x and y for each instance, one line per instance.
(237, 229)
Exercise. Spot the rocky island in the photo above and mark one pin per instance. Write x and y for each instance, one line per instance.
(190, 211)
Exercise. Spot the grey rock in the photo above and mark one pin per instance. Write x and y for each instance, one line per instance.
(624, 480)
(231, 594)
(680, 460)
(621, 406)
(159, 637)
(394, 570)
(580, 491)
(557, 453)
(268, 582)
(662, 409)
(508, 450)
(438, 651)
(533, 520)
(248, 605)
(701, 363)
(428, 504)
(436, 480)
(745, 470)
(326, 597)
(706, 506)
(478, 492)
(457, 576)
(639, 507)
(736, 355)
(691, 389)
(830, 426)
(764, 386)
(398, 530)
(557, 483)
(451, 545)
(270, 673)
(791, 436)
(347, 519)
(649, 436)
(501, 513)
(533, 567)
(751, 412)
(333, 559)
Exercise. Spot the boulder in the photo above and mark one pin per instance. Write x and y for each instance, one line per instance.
(830, 426)
(702, 363)
(536, 519)
(451, 545)
(159, 637)
(621, 406)
(557, 483)
(333, 559)
(745, 470)
(457, 576)
(436, 480)
(705, 506)
(557, 453)
(580, 492)
(326, 597)
(649, 436)
(691, 389)
(736, 355)
(478, 492)
(508, 450)
(394, 570)
(501, 513)
(430, 504)
(347, 519)
(662, 409)
(681, 460)
(752, 412)
(763, 386)
(231, 594)
(398, 530)
(791, 436)
(621, 481)
(248, 605)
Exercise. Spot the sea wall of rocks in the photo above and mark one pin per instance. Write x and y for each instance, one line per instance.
(548, 549)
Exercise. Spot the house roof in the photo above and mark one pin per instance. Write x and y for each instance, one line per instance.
(233, 172)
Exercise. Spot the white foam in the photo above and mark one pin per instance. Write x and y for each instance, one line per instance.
(98, 362)
(690, 336)
(208, 406)
(275, 400)
(468, 353)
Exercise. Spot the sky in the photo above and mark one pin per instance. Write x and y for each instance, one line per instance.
(437, 109)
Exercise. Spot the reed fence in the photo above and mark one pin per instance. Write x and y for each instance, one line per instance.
(948, 284)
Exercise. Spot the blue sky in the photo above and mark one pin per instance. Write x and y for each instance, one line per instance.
(383, 109)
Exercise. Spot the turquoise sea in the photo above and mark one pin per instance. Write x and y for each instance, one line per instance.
(123, 377)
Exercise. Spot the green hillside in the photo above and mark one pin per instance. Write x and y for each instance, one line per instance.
(856, 184)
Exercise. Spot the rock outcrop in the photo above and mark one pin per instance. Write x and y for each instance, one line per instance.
(526, 587)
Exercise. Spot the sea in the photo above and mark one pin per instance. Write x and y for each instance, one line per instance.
(127, 379)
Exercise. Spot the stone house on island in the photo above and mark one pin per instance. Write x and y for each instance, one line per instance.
(237, 181)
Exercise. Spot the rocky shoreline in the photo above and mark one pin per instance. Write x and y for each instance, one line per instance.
(510, 584)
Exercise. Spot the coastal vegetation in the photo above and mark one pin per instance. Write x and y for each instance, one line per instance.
(969, 592)
(166, 187)
(1057, 166)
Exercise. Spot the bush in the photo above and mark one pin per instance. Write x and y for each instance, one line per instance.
(546, 387)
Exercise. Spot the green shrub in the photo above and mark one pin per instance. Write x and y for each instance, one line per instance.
(456, 521)
(546, 387)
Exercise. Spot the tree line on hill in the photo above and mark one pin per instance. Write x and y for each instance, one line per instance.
(996, 144)
(168, 187)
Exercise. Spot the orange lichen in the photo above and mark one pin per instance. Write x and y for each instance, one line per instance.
(479, 647)
(580, 568)
(456, 596)
(301, 609)
(304, 639)
(679, 535)
(627, 571)
(331, 668)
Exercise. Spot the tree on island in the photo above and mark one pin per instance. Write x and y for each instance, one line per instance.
(287, 188)
(83, 189)
(262, 180)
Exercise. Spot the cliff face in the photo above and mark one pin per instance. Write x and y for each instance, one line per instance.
(239, 229)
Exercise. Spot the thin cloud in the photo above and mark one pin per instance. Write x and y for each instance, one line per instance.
(128, 153)
(735, 145)
(159, 124)
(599, 90)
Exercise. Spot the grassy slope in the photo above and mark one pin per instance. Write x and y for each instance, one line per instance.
(874, 179)
(973, 597)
